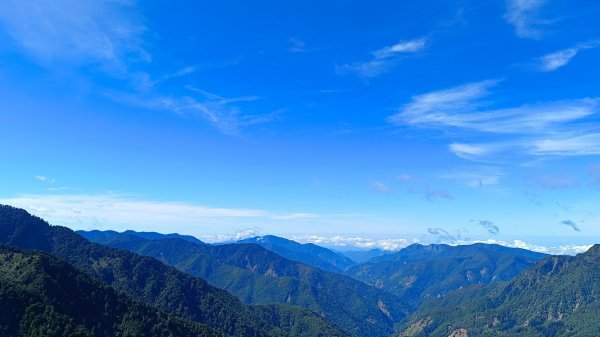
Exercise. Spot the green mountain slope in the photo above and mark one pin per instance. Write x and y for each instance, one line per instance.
(308, 253)
(142, 278)
(43, 296)
(559, 296)
(260, 276)
(418, 272)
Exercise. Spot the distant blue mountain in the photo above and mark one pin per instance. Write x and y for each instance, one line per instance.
(307, 253)
(96, 235)
(361, 256)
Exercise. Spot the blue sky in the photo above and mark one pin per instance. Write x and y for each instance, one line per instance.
(371, 124)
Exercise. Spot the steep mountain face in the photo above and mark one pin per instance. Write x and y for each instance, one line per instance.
(43, 296)
(308, 253)
(260, 276)
(418, 272)
(558, 296)
(143, 278)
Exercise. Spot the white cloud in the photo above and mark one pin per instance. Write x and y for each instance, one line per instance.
(378, 186)
(561, 58)
(356, 241)
(545, 128)
(556, 250)
(461, 107)
(576, 145)
(240, 234)
(557, 59)
(474, 152)
(76, 31)
(523, 16)
(384, 58)
(80, 210)
(295, 216)
(349, 242)
(109, 37)
(480, 176)
(45, 179)
(411, 46)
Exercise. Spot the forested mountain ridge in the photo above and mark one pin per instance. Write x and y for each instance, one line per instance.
(308, 253)
(417, 273)
(43, 296)
(260, 276)
(98, 235)
(143, 278)
(558, 296)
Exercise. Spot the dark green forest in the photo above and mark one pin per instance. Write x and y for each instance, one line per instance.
(43, 296)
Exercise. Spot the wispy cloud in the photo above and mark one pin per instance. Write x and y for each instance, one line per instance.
(298, 46)
(574, 145)
(544, 128)
(553, 181)
(223, 113)
(462, 107)
(105, 32)
(479, 176)
(489, 226)
(571, 224)
(295, 216)
(110, 37)
(80, 210)
(523, 15)
(380, 187)
(45, 179)
(383, 59)
(402, 47)
(561, 58)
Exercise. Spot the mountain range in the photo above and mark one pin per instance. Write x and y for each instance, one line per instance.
(55, 282)
(150, 281)
(558, 296)
(307, 253)
(418, 272)
(259, 276)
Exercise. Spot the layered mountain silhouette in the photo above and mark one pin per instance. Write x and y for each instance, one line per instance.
(307, 253)
(259, 276)
(150, 281)
(54, 282)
